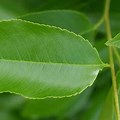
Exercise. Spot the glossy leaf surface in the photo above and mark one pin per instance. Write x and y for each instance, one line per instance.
(39, 61)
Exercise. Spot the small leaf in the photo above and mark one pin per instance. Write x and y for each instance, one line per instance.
(115, 41)
(39, 61)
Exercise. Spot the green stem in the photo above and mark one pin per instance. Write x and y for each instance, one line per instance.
(109, 36)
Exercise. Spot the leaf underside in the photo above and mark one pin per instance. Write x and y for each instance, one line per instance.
(39, 61)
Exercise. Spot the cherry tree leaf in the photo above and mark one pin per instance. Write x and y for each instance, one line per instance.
(39, 61)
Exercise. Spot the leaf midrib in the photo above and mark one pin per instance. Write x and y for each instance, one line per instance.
(53, 63)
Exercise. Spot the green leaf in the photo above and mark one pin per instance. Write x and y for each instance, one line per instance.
(39, 61)
(67, 19)
(115, 41)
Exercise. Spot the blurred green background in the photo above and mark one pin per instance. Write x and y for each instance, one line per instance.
(89, 104)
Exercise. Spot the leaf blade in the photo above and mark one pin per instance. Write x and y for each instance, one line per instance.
(39, 61)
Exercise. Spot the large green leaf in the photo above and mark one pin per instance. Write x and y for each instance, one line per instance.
(115, 41)
(40, 61)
